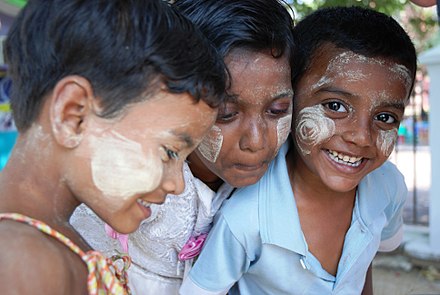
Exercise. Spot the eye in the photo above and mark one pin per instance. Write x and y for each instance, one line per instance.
(227, 113)
(386, 118)
(335, 106)
(226, 117)
(169, 154)
(172, 154)
(279, 108)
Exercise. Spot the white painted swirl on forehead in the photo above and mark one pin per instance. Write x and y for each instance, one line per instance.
(211, 144)
(313, 127)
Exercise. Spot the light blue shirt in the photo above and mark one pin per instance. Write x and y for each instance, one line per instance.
(257, 245)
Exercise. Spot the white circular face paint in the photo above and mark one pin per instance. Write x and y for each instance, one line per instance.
(313, 127)
(211, 144)
(121, 169)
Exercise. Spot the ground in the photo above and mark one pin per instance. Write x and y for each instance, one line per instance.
(398, 275)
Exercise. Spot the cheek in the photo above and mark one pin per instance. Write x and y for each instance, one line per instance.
(121, 170)
(312, 128)
(283, 129)
(211, 144)
(386, 140)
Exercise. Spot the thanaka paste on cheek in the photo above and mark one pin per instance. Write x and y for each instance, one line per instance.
(120, 169)
(211, 144)
(386, 141)
(283, 127)
(313, 127)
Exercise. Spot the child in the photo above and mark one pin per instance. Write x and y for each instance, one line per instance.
(255, 37)
(109, 98)
(314, 222)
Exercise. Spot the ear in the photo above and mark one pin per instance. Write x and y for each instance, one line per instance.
(70, 104)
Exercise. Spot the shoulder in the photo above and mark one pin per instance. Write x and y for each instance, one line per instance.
(388, 181)
(242, 207)
(387, 174)
(33, 261)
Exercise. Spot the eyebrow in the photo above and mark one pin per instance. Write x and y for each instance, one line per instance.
(335, 90)
(184, 137)
(288, 93)
(396, 105)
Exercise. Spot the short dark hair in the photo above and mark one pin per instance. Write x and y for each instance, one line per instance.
(361, 30)
(251, 24)
(125, 48)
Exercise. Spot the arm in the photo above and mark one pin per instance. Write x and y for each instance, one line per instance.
(32, 263)
(368, 286)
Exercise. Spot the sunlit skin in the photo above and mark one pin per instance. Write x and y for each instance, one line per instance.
(363, 99)
(262, 97)
(160, 142)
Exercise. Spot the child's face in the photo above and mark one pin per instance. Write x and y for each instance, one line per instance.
(249, 130)
(347, 109)
(130, 162)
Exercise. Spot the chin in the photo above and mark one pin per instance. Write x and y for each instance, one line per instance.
(237, 182)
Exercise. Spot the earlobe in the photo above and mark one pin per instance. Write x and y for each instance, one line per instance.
(70, 105)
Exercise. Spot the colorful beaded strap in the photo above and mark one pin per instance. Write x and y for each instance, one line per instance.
(104, 276)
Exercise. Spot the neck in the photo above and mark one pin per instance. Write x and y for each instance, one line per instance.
(199, 170)
(29, 186)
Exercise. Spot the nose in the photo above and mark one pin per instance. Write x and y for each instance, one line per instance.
(173, 182)
(359, 132)
(253, 136)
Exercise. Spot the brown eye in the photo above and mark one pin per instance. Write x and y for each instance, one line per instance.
(335, 106)
(386, 118)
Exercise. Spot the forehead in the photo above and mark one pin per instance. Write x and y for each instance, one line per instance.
(257, 76)
(166, 114)
(328, 58)
(352, 72)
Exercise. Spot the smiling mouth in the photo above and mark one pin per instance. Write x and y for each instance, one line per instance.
(144, 203)
(344, 159)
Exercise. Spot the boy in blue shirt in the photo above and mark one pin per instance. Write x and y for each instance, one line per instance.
(329, 201)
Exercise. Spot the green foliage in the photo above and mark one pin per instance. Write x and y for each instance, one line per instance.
(390, 7)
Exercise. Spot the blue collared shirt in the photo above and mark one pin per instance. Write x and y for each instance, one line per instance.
(257, 245)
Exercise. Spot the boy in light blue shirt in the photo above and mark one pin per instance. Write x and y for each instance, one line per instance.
(329, 201)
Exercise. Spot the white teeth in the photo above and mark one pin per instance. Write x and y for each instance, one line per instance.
(143, 203)
(344, 159)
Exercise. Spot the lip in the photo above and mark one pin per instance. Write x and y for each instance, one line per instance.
(146, 211)
(249, 168)
(345, 168)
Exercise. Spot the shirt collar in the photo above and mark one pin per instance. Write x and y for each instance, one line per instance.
(277, 208)
(374, 193)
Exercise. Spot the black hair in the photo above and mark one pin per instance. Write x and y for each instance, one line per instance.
(125, 48)
(360, 30)
(250, 24)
